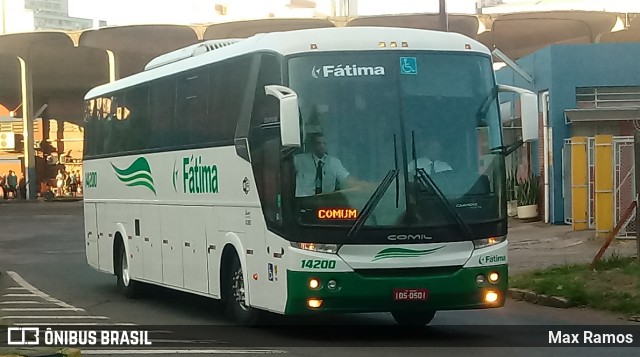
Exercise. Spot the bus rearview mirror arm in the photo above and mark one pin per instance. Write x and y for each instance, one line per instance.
(528, 111)
(289, 114)
(513, 147)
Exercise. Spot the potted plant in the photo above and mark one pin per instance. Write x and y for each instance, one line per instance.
(512, 202)
(527, 197)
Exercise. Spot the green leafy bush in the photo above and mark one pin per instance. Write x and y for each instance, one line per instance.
(527, 191)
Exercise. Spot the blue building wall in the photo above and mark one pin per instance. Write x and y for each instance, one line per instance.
(563, 68)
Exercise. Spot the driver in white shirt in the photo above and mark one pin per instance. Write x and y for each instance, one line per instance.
(317, 172)
(431, 161)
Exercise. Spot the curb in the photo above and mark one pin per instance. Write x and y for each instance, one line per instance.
(39, 352)
(540, 299)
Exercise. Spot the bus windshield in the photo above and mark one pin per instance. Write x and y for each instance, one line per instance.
(427, 121)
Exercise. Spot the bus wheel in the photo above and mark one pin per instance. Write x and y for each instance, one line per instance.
(128, 287)
(235, 298)
(413, 318)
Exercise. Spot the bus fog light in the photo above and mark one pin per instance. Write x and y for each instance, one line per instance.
(491, 296)
(314, 283)
(314, 303)
(494, 277)
(480, 279)
(332, 284)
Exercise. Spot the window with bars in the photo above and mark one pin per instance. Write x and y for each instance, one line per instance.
(607, 97)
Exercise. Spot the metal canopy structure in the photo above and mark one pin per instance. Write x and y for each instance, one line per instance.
(520, 34)
(57, 68)
(70, 63)
(129, 48)
(468, 25)
(242, 29)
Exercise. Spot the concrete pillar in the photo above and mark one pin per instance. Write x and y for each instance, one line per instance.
(579, 183)
(26, 81)
(443, 17)
(114, 66)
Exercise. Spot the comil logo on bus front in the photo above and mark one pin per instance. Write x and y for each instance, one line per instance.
(196, 177)
(348, 70)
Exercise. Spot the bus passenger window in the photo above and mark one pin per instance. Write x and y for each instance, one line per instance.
(161, 113)
(137, 104)
(191, 118)
(228, 83)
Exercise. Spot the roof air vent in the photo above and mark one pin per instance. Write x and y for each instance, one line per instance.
(188, 52)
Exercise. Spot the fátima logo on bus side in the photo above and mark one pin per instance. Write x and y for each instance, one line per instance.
(349, 70)
(196, 177)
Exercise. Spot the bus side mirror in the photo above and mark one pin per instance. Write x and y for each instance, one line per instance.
(528, 111)
(289, 114)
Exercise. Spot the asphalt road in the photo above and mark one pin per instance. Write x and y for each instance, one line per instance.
(42, 248)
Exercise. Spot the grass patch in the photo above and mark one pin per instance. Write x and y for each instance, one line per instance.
(613, 286)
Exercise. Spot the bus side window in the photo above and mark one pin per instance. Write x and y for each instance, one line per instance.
(227, 91)
(118, 125)
(107, 121)
(191, 118)
(90, 122)
(162, 101)
(137, 104)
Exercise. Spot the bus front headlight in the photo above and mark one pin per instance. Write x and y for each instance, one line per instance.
(316, 247)
(487, 242)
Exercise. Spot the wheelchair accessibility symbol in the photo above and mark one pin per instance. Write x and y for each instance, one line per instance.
(408, 65)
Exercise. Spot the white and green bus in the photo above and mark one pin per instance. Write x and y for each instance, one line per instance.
(196, 179)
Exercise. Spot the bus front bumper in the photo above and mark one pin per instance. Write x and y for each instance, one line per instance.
(356, 292)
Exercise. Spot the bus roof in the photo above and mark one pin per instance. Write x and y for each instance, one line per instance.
(295, 42)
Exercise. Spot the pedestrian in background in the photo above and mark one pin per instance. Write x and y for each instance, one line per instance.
(22, 187)
(12, 183)
(3, 186)
(59, 183)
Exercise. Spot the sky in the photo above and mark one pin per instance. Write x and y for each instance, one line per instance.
(127, 12)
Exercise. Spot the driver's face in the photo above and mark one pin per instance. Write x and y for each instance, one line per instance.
(319, 147)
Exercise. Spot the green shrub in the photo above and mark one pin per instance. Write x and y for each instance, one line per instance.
(527, 191)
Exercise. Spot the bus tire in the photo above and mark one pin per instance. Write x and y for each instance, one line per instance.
(129, 288)
(413, 318)
(235, 296)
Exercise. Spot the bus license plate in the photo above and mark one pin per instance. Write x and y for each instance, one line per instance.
(410, 294)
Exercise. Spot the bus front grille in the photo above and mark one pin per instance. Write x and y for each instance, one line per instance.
(406, 272)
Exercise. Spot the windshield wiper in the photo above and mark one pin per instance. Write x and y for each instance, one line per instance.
(427, 181)
(372, 203)
(395, 158)
(484, 108)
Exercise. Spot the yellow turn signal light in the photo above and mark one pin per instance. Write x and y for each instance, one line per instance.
(491, 296)
(314, 303)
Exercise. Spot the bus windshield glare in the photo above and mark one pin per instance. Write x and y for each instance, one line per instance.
(406, 138)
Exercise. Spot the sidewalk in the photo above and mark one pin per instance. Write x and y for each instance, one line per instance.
(537, 245)
(41, 200)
